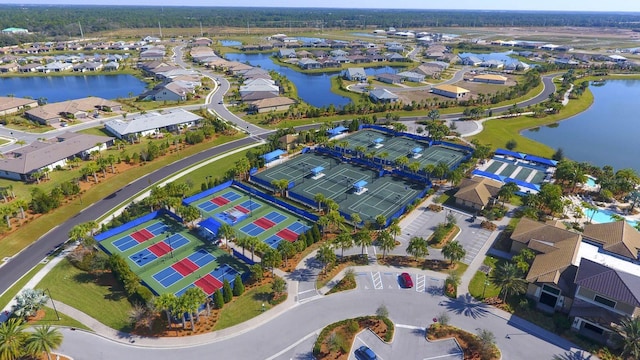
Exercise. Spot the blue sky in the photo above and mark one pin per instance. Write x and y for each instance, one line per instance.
(564, 5)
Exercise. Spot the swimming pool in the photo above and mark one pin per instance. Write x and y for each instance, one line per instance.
(603, 216)
(591, 182)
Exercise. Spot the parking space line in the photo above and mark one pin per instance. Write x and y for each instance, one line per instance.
(454, 355)
(421, 281)
(377, 280)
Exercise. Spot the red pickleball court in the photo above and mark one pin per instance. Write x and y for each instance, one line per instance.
(287, 235)
(220, 201)
(137, 236)
(264, 223)
(208, 284)
(159, 249)
(185, 267)
(242, 209)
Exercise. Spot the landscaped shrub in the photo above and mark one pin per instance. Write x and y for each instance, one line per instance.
(238, 286)
(218, 299)
(488, 225)
(227, 293)
(435, 207)
(143, 294)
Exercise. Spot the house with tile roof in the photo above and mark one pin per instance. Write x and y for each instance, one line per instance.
(450, 91)
(477, 193)
(383, 96)
(616, 238)
(151, 123)
(11, 105)
(603, 297)
(22, 163)
(551, 275)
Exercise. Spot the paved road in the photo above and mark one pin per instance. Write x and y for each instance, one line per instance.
(279, 338)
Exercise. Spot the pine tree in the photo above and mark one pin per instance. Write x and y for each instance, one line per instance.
(238, 286)
(218, 300)
(227, 293)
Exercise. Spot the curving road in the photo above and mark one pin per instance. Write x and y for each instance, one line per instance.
(277, 339)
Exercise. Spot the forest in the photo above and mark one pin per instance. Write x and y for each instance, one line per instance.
(59, 21)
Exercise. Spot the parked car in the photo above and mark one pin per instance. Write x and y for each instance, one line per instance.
(364, 353)
(406, 280)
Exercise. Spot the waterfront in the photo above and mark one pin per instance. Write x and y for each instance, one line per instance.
(61, 88)
(603, 134)
(315, 88)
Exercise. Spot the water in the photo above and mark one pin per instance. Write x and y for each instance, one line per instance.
(230, 43)
(314, 89)
(61, 88)
(591, 182)
(605, 133)
(502, 56)
(603, 216)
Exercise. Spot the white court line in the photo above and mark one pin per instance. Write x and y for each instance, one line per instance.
(454, 355)
(275, 356)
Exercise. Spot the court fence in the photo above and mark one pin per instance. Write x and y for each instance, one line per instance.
(133, 223)
(207, 192)
(273, 200)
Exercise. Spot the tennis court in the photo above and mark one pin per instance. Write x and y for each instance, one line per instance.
(387, 147)
(174, 258)
(520, 170)
(297, 169)
(219, 200)
(251, 216)
(384, 195)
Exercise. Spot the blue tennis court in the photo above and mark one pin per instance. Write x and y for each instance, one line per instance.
(298, 227)
(252, 229)
(143, 257)
(125, 243)
(181, 292)
(201, 258)
(176, 241)
(225, 272)
(251, 205)
(167, 277)
(273, 241)
(231, 195)
(276, 217)
(208, 206)
(157, 228)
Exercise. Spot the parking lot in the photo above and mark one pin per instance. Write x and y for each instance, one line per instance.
(378, 280)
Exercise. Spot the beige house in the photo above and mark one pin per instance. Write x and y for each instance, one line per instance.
(619, 238)
(477, 192)
(490, 79)
(11, 105)
(553, 270)
(71, 109)
(279, 103)
(450, 91)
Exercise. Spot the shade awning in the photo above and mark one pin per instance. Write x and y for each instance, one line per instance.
(210, 224)
(273, 155)
(316, 170)
(360, 184)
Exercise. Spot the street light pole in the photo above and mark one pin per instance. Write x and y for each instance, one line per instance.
(170, 247)
(54, 304)
(486, 282)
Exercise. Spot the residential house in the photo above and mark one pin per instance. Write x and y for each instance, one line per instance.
(302, 54)
(477, 193)
(450, 91)
(389, 78)
(383, 96)
(55, 66)
(71, 109)
(490, 79)
(355, 74)
(412, 76)
(336, 53)
(358, 59)
(287, 53)
(470, 60)
(279, 103)
(153, 53)
(11, 105)
(28, 68)
(111, 66)
(341, 59)
(307, 64)
(88, 66)
(603, 297)
(202, 41)
(517, 66)
(328, 63)
(550, 277)
(492, 64)
(10, 67)
(395, 57)
(171, 91)
(288, 142)
(151, 123)
(22, 163)
(259, 89)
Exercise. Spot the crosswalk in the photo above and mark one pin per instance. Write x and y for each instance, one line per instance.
(377, 280)
(420, 283)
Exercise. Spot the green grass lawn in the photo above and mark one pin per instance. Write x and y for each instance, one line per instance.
(50, 318)
(245, 307)
(15, 289)
(18, 240)
(476, 286)
(105, 302)
(497, 132)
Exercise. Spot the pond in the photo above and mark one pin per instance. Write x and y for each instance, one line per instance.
(61, 88)
(604, 134)
(314, 89)
(230, 43)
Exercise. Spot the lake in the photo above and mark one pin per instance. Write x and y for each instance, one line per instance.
(604, 134)
(61, 88)
(314, 89)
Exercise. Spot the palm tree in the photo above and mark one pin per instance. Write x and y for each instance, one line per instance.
(394, 228)
(167, 303)
(226, 232)
(355, 220)
(252, 243)
(323, 222)
(402, 161)
(343, 241)
(507, 190)
(326, 256)
(12, 339)
(320, 199)
(195, 298)
(381, 221)
(44, 339)
(363, 239)
(629, 332)
(453, 251)
(385, 242)
(507, 278)
(418, 247)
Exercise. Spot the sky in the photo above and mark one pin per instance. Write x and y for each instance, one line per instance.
(553, 5)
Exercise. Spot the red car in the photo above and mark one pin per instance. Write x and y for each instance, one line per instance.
(406, 280)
